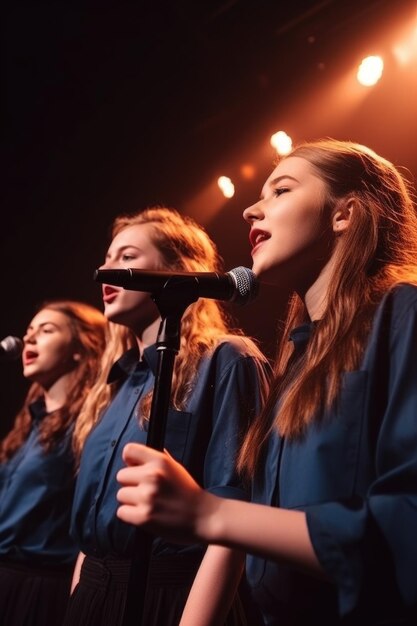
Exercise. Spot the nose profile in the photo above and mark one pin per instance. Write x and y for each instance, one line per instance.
(252, 213)
(30, 336)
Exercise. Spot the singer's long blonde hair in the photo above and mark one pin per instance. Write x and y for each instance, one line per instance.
(184, 246)
(378, 250)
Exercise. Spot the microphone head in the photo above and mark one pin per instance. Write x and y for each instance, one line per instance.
(11, 347)
(247, 284)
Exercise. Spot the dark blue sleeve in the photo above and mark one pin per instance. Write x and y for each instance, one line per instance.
(240, 376)
(369, 545)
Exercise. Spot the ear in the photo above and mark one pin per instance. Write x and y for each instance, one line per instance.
(342, 216)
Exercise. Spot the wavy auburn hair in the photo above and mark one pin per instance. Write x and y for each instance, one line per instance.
(377, 251)
(184, 246)
(88, 328)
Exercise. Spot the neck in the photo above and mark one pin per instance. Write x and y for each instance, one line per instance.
(315, 298)
(148, 336)
(56, 395)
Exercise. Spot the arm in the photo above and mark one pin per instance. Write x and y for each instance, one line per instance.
(214, 587)
(159, 494)
(77, 571)
(234, 379)
(367, 542)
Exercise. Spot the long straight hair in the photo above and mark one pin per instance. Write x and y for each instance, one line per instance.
(377, 251)
(88, 328)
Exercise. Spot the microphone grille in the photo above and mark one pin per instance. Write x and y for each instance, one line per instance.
(12, 347)
(247, 284)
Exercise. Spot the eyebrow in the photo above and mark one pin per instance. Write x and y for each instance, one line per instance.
(277, 180)
(123, 248)
(31, 327)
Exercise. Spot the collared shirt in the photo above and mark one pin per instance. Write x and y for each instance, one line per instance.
(205, 437)
(354, 473)
(36, 489)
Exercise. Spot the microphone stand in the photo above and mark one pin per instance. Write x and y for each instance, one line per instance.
(171, 306)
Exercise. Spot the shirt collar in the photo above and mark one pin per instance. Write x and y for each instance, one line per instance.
(37, 409)
(300, 336)
(128, 362)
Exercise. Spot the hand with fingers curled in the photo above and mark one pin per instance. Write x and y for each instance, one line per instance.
(160, 495)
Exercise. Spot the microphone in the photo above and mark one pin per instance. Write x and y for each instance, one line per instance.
(11, 348)
(240, 285)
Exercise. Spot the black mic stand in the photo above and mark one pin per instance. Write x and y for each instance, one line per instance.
(171, 307)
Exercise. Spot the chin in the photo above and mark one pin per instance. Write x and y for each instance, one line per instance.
(29, 371)
(259, 271)
(261, 267)
(255, 268)
(32, 376)
(117, 317)
(267, 276)
(111, 312)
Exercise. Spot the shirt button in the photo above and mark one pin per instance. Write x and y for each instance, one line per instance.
(113, 443)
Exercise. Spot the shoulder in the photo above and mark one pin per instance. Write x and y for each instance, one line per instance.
(241, 355)
(238, 346)
(236, 358)
(400, 301)
(404, 292)
(396, 315)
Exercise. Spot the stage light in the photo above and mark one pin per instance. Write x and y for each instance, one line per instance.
(248, 171)
(226, 186)
(370, 71)
(281, 142)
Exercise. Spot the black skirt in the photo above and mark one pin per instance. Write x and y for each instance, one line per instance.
(33, 595)
(100, 597)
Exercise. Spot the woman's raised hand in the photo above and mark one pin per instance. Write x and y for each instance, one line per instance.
(158, 493)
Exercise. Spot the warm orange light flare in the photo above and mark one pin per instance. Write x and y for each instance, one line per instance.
(370, 71)
(248, 171)
(281, 142)
(405, 51)
(226, 186)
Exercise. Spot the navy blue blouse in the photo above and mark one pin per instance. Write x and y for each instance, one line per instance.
(205, 437)
(355, 475)
(36, 489)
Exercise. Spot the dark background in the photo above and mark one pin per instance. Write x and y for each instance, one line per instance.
(112, 107)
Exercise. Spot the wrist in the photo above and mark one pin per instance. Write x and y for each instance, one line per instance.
(210, 522)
